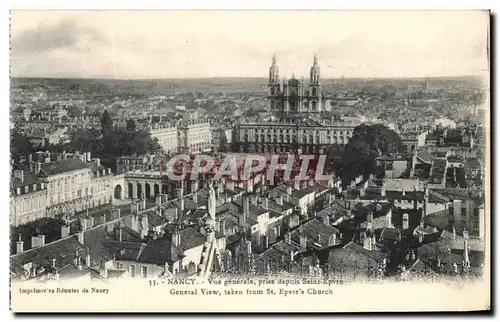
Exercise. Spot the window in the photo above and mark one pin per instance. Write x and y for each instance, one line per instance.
(464, 212)
(120, 266)
(131, 270)
(144, 271)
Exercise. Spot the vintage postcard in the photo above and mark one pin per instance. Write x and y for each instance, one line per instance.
(249, 161)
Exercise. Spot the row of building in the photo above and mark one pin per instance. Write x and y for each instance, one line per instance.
(57, 184)
(308, 231)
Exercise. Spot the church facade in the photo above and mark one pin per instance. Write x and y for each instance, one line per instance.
(301, 123)
(292, 96)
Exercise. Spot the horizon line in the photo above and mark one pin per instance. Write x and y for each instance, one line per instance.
(229, 77)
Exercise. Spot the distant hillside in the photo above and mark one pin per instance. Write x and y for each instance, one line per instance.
(217, 84)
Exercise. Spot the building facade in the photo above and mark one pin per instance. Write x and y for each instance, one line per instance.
(290, 97)
(307, 136)
(52, 188)
(194, 136)
(166, 134)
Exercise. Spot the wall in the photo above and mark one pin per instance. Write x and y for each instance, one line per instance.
(27, 207)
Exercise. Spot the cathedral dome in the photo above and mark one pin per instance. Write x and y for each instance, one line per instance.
(294, 82)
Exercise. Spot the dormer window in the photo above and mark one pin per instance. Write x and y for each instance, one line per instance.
(34, 187)
(18, 191)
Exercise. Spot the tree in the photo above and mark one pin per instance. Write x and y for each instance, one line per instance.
(106, 123)
(367, 143)
(131, 125)
(86, 141)
(19, 146)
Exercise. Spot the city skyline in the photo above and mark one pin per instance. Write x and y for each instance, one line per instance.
(121, 45)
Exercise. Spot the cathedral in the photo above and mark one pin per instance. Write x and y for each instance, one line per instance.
(289, 97)
(300, 121)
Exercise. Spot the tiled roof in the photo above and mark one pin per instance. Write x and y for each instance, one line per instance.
(454, 194)
(351, 260)
(124, 250)
(409, 195)
(159, 251)
(57, 167)
(425, 156)
(375, 255)
(440, 219)
(63, 250)
(191, 238)
(314, 229)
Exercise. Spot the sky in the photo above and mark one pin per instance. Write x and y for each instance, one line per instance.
(195, 44)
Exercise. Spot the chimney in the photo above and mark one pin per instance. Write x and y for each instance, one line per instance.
(303, 242)
(38, 167)
(223, 227)
(326, 220)
(41, 240)
(367, 243)
(79, 263)
(291, 255)
(65, 230)
(19, 245)
(382, 191)
(288, 237)
(195, 197)
(134, 207)
(158, 200)
(265, 203)
(466, 234)
(466, 253)
(89, 157)
(80, 237)
(333, 239)
(403, 192)
(176, 213)
(246, 208)
(279, 200)
(176, 238)
(289, 190)
(405, 221)
(319, 238)
(34, 241)
(83, 224)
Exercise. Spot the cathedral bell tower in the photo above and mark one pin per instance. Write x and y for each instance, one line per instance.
(315, 88)
(274, 85)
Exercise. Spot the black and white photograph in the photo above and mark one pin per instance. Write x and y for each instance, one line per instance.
(249, 161)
